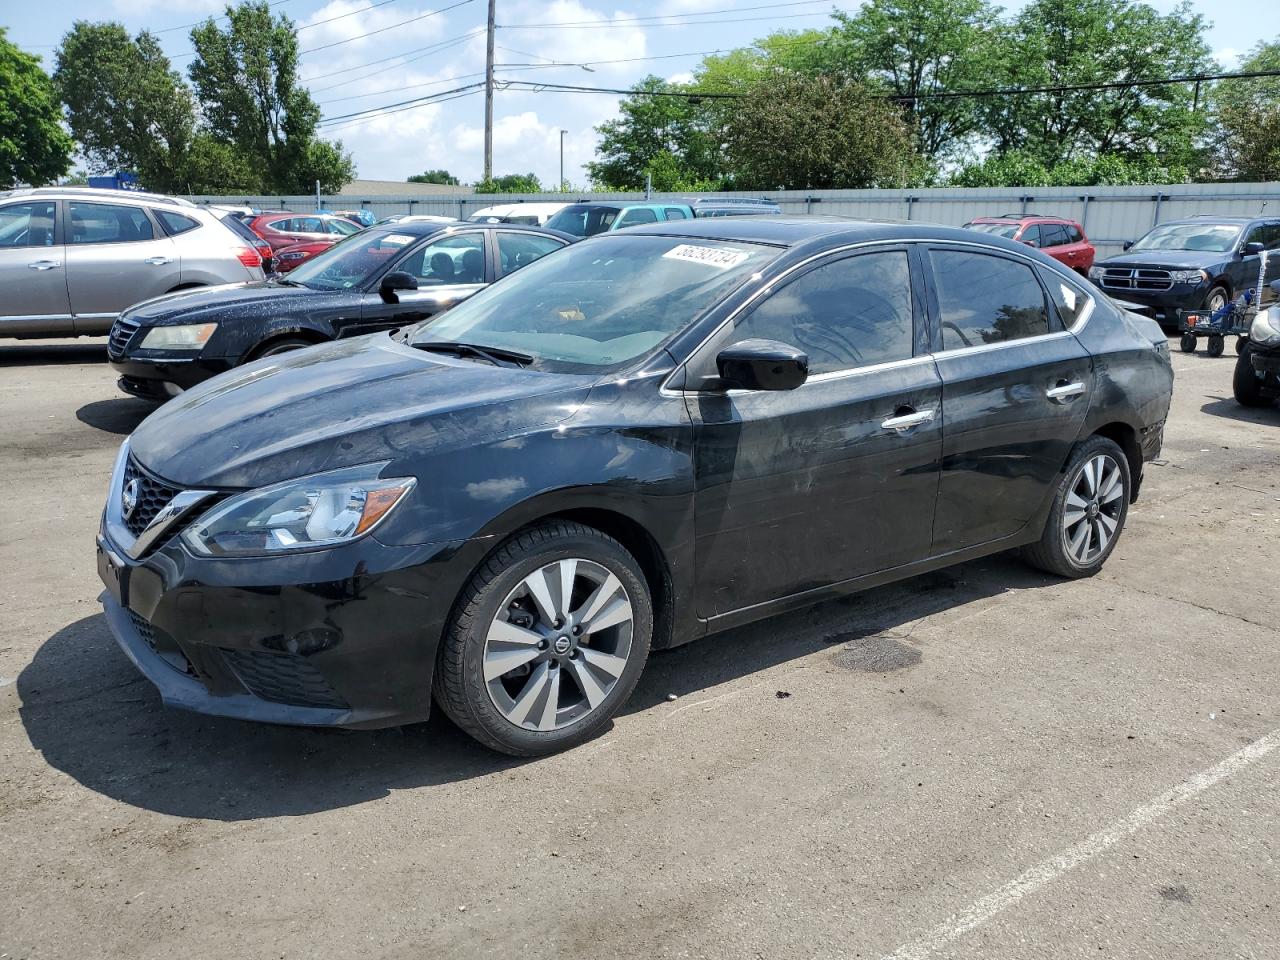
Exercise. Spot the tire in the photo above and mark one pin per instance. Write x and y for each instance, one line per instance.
(1216, 299)
(1188, 343)
(1240, 342)
(286, 345)
(498, 618)
(1245, 383)
(1217, 344)
(1078, 539)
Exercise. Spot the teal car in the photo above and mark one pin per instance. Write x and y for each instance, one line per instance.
(588, 219)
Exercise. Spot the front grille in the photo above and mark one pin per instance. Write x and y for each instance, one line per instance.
(283, 678)
(162, 644)
(152, 496)
(122, 332)
(1125, 278)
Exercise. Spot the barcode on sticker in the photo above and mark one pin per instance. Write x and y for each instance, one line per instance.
(711, 256)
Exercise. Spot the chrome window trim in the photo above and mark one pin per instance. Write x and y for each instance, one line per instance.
(1085, 314)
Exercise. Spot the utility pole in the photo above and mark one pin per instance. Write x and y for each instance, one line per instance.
(560, 186)
(488, 94)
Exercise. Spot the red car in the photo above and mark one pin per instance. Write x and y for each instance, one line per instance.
(287, 258)
(1060, 238)
(285, 229)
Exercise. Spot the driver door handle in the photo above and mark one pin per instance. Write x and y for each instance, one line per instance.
(1065, 392)
(158, 261)
(907, 421)
(44, 264)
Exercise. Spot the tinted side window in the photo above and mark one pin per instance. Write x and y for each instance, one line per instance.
(986, 299)
(674, 213)
(1066, 297)
(455, 259)
(27, 224)
(108, 223)
(633, 217)
(308, 225)
(1073, 234)
(849, 313)
(175, 223)
(1053, 235)
(1031, 235)
(520, 249)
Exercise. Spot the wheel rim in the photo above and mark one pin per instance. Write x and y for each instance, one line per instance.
(1095, 504)
(558, 645)
(1217, 300)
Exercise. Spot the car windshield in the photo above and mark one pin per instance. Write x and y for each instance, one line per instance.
(352, 260)
(598, 305)
(584, 219)
(999, 229)
(1210, 237)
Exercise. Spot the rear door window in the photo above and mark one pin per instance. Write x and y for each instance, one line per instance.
(674, 213)
(1073, 233)
(109, 223)
(985, 299)
(516, 250)
(27, 224)
(638, 216)
(1053, 235)
(458, 258)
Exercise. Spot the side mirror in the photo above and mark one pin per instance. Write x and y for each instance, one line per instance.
(394, 282)
(1029, 243)
(1128, 244)
(762, 365)
(1254, 248)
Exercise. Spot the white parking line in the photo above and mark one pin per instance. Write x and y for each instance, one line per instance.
(1044, 873)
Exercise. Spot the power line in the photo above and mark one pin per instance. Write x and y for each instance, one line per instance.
(188, 26)
(371, 33)
(341, 16)
(442, 97)
(680, 18)
(421, 52)
(608, 24)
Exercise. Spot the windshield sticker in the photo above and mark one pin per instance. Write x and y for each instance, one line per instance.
(711, 256)
(397, 239)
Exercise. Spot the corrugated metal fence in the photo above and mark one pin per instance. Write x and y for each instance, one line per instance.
(1110, 215)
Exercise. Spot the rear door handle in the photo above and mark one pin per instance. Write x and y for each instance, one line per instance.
(158, 261)
(44, 264)
(1065, 392)
(907, 421)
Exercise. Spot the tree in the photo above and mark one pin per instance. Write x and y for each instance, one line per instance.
(125, 106)
(511, 183)
(664, 135)
(435, 176)
(34, 148)
(246, 82)
(914, 47)
(791, 131)
(1019, 168)
(1059, 43)
(1248, 119)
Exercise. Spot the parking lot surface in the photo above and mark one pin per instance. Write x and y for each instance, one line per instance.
(981, 763)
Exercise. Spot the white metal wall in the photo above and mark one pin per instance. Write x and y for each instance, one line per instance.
(1110, 215)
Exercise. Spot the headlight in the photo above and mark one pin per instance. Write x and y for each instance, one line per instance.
(1095, 273)
(317, 511)
(1188, 276)
(1266, 328)
(191, 336)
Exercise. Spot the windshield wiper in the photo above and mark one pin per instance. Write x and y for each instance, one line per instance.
(286, 282)
(495, 355)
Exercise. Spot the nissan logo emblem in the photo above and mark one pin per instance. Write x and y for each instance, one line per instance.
(129, 498)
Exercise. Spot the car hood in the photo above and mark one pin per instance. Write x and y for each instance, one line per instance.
(343, 404)
(187, 306)
(1166, 259)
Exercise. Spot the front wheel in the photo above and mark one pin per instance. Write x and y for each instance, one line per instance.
(1089, 509)
(1217, 343)
(1188, 343)
(547, 642)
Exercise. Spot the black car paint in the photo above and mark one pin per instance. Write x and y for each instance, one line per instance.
(251, 316)
(1232, 270)
(736, 508)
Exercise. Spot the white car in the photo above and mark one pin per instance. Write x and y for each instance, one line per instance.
(528, 214)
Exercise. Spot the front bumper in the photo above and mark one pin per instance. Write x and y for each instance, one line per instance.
(1163, 305)
(162, 378)
(343, 638)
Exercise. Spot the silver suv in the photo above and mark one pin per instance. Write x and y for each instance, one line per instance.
(72, 258)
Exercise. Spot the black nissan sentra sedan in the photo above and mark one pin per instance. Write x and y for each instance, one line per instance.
(377, 279)
(644, 438)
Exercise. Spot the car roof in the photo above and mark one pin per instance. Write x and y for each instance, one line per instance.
(1023, 218)
(97, 193)
(791, 230)
(426, 228)
(1210, 218)
(630, 204)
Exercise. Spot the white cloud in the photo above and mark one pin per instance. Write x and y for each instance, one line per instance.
(346, 30)
(1228, 56)
(134, 7)
(684, 76)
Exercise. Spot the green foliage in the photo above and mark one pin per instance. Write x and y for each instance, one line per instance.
(33, 146)
(126, 108)
(1248, 112)
(1020, 168)
(435, 176)
(511, 183)
(793, 131)
(245, 78)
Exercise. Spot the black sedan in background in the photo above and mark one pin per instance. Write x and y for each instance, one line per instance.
(650, 436)
(377, 279)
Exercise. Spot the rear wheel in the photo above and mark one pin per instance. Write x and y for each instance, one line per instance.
(1217, 344)
(1088, 513)
(1188, 343)
(1245, 384)
(547, 642)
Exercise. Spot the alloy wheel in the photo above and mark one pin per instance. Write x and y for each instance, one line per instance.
(1095, 503)
(558, 644)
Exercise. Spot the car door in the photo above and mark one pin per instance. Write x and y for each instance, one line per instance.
(32, 270)
(516, 249)
(1015, 390)
(837, 478)
(116, 256)
(448, 270)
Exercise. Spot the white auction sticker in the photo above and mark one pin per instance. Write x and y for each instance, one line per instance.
(711, 256)
(397, 239)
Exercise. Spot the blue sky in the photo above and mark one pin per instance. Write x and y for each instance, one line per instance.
(352, 73)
